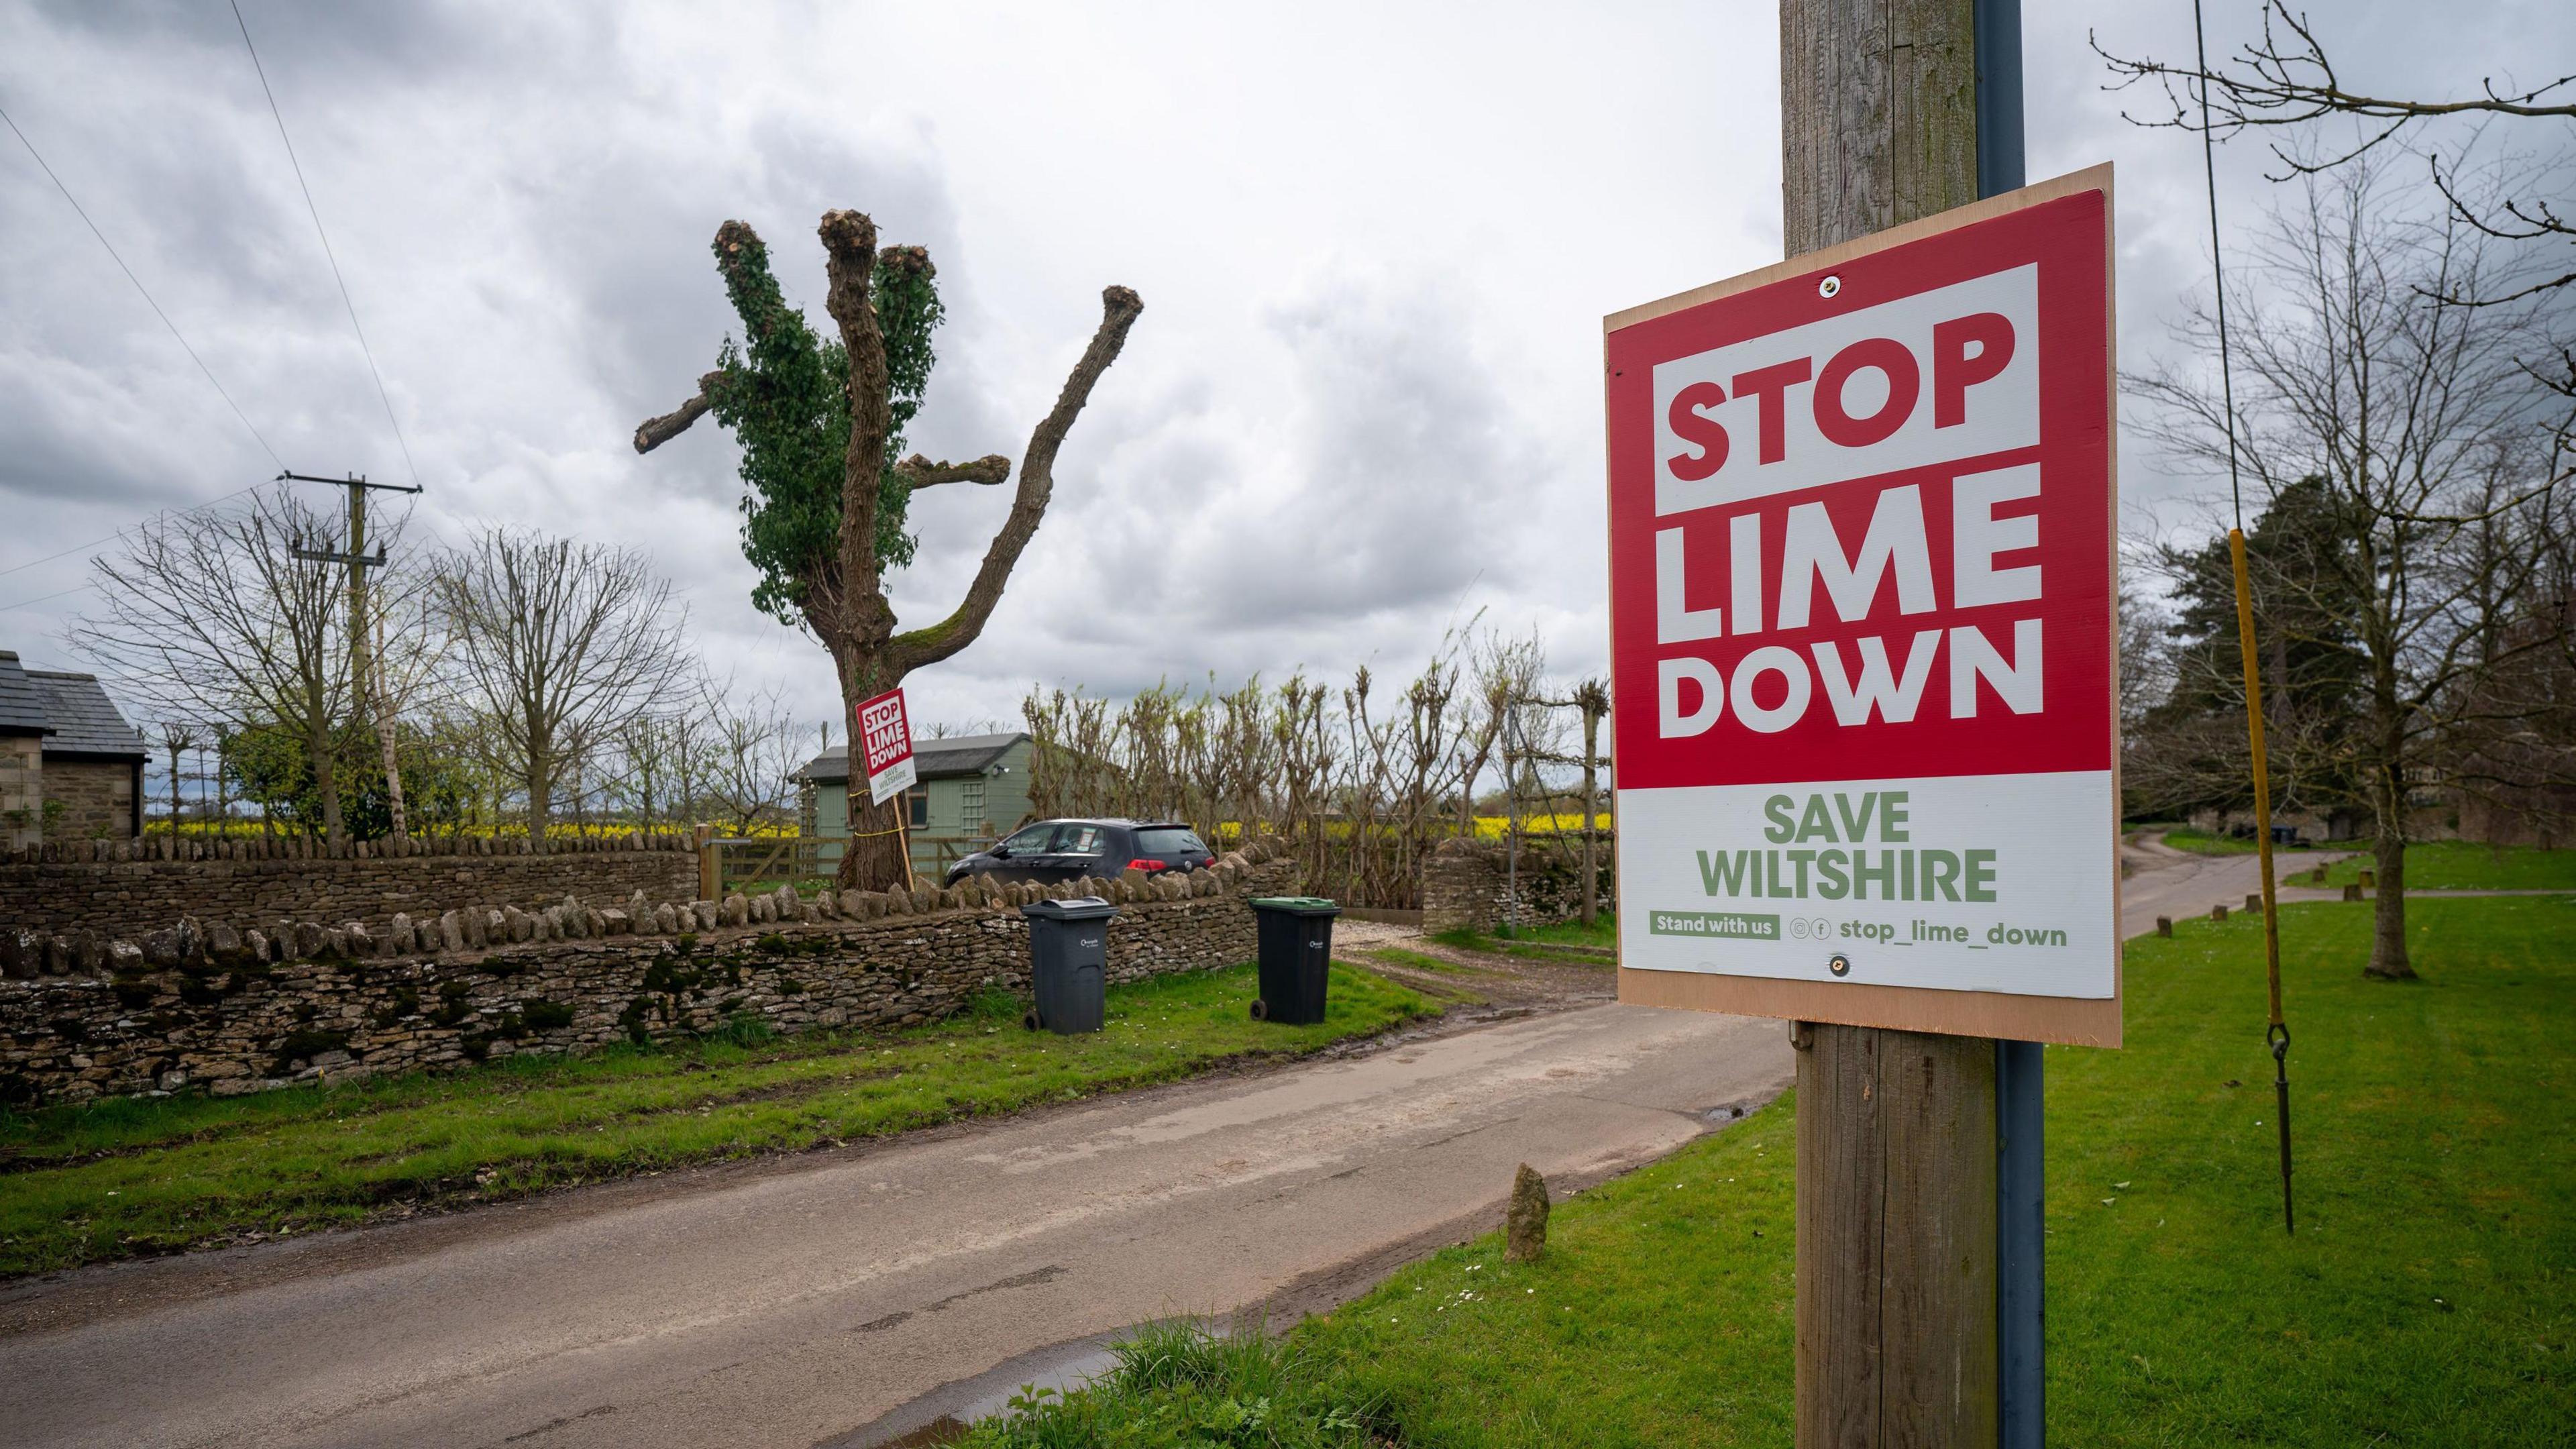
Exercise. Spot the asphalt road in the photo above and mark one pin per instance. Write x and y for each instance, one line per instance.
(840, 1297)
(791, 1307)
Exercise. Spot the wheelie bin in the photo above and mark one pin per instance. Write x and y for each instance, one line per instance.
(1068, 964)
(1296, 936)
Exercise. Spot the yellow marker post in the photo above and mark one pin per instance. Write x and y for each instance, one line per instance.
(2277, 1034)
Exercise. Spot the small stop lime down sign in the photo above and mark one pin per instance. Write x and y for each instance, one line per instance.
(1863, 593)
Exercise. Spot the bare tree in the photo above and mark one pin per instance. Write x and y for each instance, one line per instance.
(2426, 446)
(211, 616)
(1590, 700)
(178, 736)
(831, 572)
(555, 645)
(753, 748)
(2286, 81)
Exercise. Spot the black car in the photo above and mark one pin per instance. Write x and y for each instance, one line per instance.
(1060, 850)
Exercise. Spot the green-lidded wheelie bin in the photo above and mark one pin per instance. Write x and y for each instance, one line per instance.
(1296, 934)
(1068, 964)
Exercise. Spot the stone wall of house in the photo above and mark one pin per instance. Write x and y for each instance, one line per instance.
(97, 799)
(22, 792)
(1470, 883)
(131, 887)
(207, 1006)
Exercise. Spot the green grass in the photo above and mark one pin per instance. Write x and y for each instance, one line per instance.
(2427, 1299)
(1528, 943)
(1604, 931)
(2458, 865)
(1415, 960)
(1179, 1383)
(130, 1176)
(2201, 842)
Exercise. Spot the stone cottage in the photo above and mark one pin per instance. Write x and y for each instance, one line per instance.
(71, 768)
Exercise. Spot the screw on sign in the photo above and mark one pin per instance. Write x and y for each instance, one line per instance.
(1862, 563)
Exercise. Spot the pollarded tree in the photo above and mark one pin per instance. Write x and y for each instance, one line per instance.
(819, 423)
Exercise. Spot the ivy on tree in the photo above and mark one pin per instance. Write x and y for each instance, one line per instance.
(820, 421)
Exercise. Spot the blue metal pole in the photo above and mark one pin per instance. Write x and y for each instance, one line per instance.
(2020, 1242)
(2020, 1118)
(1998, 39)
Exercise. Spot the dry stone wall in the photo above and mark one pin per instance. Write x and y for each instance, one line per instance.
(225, 1009)
(131, 887)
(1469, 883)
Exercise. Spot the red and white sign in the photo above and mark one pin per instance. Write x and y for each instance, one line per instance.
(1863, 581)
(885, 745)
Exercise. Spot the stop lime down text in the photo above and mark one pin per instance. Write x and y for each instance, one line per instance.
(1834, 872)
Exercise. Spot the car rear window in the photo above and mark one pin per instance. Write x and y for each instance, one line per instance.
(1165, 840)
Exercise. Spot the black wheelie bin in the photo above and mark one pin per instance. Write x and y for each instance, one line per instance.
(1296, 935)
(1068, 964)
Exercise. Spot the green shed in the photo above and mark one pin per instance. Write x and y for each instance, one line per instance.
(970, 790)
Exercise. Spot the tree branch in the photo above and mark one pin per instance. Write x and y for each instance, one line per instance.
(1119, 309)
(920, 472)
(654, 432)
(850, 252)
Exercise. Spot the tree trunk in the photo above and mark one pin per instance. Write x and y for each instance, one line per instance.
(873, 860)
(393, 779)
(2388, 959)
(384, 714)
(1591, 786)
(174, 792)
(326, 778)
(540, 791)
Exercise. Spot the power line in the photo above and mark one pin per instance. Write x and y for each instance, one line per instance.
(122, 532)
(316, 213)
(139, 287)
(2217, 267)
(40, 598)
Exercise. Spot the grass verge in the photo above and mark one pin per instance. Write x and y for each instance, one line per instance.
(1417, 961)
(2201, 842)
(125, 1177)
(2429, 1298)
(1527, 944)
(1604, 931)
(2458, 865)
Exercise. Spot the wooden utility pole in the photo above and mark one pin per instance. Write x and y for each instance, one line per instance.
(1897, 1250)
(362, 697)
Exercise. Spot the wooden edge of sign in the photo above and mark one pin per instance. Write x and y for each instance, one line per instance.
(2068, 1020)
(2111, 476)
(2091, 178)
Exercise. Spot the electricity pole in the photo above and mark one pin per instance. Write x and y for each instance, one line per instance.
(362, 695)
(1891, 111)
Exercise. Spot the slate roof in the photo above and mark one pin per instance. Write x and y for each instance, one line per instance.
(81, 720)
(931, 759)
(22, 709)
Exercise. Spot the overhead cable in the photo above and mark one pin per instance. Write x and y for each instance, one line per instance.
(139, 287)
(316, 213)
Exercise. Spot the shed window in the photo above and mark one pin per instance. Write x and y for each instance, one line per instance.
(916, 802)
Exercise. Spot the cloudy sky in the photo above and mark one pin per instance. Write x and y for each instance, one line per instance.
(1375, 243)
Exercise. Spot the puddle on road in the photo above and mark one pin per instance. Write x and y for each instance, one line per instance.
(942, 1415)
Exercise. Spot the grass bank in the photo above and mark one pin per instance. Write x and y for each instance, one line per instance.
(2429, 1298)
(2201, 842)
(1544, 943)
(120, 1178)
(2458, 865)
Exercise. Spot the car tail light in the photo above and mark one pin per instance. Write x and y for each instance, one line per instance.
(1146, 865)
